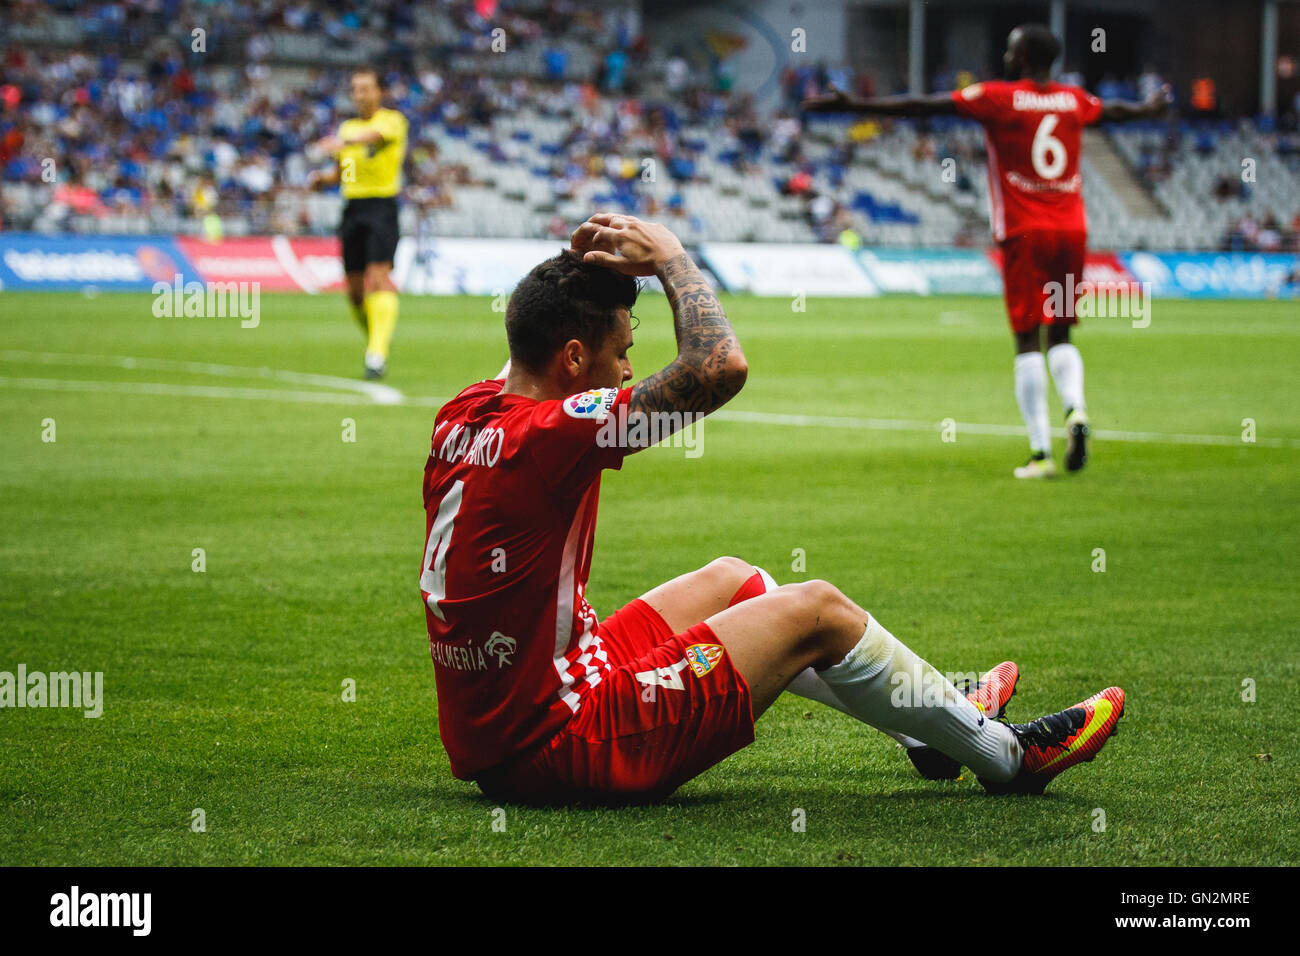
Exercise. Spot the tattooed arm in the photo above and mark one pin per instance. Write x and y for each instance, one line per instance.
(710, 367)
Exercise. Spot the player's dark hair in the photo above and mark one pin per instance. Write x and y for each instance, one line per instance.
(370, 71)
(564, 298)
(1038, 45)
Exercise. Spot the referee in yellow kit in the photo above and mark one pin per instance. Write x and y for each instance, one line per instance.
(369, 151)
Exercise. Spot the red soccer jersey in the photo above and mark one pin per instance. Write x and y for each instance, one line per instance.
(510, 495)
(1033, 134)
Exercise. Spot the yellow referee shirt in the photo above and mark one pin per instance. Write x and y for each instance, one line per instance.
(367, 170)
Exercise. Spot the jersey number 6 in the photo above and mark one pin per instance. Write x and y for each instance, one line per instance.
(1048, 152)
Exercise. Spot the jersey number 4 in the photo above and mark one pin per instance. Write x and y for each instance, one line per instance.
(670, 677)
(433, 577)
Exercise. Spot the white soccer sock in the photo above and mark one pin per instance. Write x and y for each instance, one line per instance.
(1031, 394)
(809, 685)
(1067, 372)
(883, 683)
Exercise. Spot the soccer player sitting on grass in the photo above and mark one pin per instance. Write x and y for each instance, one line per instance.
(538, 699)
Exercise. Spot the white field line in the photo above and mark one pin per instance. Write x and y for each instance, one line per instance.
(161, 388)
(973, 428)
(385, 395)
(379, 394)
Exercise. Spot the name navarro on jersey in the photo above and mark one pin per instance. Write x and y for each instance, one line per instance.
(480, 446)
(1043, 102)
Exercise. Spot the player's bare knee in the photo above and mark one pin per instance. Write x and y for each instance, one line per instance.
(378, 279)
(728, 573)
(826, 613)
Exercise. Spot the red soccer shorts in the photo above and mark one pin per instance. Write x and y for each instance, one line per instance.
(1035, 267)
(671, 707)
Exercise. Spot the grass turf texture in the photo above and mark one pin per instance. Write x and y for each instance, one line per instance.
(223, 689)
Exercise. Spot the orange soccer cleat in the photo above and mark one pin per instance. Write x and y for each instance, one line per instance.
(1057, 742)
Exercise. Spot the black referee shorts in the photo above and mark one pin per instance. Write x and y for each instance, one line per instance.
(368, 232)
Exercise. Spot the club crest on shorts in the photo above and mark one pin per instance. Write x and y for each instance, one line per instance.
(703, 657)
(593, 403)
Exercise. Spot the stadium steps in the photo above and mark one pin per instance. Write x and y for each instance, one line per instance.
(1106, 161)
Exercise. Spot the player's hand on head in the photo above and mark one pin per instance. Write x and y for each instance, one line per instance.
(589, 236)
(625, 243)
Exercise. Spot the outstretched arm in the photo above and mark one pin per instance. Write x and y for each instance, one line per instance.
(837, 101)
(1113, 111)
(367, 137)
(320, 178)
(710, 367)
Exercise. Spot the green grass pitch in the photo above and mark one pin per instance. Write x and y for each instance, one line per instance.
(223, 689)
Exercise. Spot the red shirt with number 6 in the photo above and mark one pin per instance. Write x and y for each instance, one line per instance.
(1033, 133)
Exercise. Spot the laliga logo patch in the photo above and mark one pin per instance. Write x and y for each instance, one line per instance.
(973, 91)
(703, 657)
(593, 403)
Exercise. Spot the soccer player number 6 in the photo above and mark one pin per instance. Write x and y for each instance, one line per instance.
(1047, 152)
